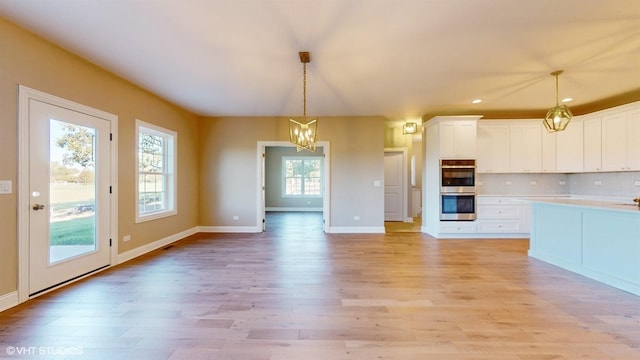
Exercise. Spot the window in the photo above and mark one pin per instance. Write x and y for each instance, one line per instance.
(156, 168)
(301, 176)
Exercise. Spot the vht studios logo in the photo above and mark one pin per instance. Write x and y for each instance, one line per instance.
(43, 350)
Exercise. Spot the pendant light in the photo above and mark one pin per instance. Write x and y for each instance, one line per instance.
(304, 134)
(557, 117)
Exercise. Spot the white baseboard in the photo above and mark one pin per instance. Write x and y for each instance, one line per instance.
(356, 230)
(131, 254)
(230, 229)
(9, 300)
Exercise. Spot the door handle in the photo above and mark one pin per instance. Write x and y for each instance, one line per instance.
(38, 207)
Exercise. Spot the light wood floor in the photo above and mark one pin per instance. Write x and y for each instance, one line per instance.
(284, 294)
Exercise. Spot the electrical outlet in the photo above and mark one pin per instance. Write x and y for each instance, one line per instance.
(533, 182)
(236, 217)
(562, 182)
(636, 183)
(5, 187)
(356, 218)
(508, 182)
(597, 182)
(126, 238)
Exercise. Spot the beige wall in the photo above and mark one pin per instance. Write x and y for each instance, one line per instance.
(28, 60)
(229, 188)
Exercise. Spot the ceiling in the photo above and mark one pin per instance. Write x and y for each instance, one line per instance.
(396, 58)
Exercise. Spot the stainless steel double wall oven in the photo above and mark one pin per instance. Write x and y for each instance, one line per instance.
(457, 189)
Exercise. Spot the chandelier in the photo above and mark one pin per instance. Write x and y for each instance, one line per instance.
(557, 117)
(303, 133)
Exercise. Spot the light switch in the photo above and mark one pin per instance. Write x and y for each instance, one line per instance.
(377, 183)
(5, 187)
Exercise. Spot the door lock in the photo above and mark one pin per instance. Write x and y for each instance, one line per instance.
(38, 206)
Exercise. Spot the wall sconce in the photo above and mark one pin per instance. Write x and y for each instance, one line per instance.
(409, 128)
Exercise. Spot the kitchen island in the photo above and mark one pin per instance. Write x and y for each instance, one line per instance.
(597, 239)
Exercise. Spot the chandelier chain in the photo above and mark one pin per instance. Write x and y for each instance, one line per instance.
(304, 91)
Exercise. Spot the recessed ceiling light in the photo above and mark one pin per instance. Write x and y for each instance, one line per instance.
(476, 101)
(567, 99)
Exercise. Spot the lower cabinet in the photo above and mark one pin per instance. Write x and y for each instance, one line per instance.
(457, 227)
(501, 215)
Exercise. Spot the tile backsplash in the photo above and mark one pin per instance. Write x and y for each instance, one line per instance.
(614, 184)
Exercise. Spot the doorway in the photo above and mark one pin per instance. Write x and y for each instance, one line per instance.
(67, 211)
(323, 207)
(395, 185)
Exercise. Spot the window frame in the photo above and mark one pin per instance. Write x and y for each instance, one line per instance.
(170, 158)
(284, 177)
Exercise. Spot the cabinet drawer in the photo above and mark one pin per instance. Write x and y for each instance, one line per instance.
(499, 226)
(457, 227)
(496, 200)
(499, 212)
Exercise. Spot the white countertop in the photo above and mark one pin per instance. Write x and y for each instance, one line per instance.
(588, 203)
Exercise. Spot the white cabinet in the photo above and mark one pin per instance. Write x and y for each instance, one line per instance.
(549, 161)
(493, 147)
(592, 144)
(621, 141)
(525, 147)
(569, 148)
(458, 139)
(457, 227)
(499, 215)
(633, 140)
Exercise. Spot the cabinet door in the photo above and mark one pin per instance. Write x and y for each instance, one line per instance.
(569, 148)
(526, 147)
(458, 139)
(633, 141)
(614, 142)
(592, 144)
(549, 160)
(466, 139)
(493, 147)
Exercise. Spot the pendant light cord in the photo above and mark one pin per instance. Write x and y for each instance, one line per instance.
(304, 91)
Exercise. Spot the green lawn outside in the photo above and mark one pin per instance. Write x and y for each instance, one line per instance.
(78, 231)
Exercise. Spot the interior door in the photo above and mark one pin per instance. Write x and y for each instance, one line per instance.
(393, 186)
(69, 172)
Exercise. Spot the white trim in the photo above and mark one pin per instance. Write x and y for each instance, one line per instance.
(297, 209)
(9, 300)
(134, 253)
(326, 193)
(230, 229)
(25, 94)
(170, 157)
(357, 230)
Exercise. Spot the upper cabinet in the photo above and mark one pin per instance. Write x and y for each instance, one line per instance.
(621, 141)
(455, 137)
(592, 143)
(549, 144)
(510, 146)
(569, 147)
(493, 146)
(458, 139)
(526, 146)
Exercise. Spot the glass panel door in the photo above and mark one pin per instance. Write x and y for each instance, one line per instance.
(72, 191)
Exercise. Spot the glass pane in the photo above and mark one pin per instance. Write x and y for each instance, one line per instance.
(151, 192)
(72, 191)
